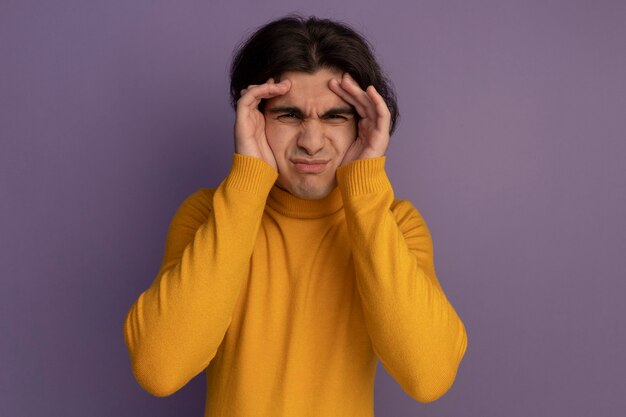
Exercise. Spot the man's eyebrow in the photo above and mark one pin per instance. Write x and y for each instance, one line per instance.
(286, 109)
(342, 110)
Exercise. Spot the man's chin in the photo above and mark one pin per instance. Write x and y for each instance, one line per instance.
(311, 192)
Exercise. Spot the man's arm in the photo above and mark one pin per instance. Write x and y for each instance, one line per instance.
(175, 327)
(414, 329)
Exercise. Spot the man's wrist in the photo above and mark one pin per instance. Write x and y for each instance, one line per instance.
(363, 176)
(248, 173)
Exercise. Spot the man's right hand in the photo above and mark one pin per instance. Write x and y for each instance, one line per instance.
(250, 139)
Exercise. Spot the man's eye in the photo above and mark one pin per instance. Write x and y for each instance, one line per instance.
(286, 117)
(336, 118)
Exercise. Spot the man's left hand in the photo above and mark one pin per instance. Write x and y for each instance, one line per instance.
(375, 118)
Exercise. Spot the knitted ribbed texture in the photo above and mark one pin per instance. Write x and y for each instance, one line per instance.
(243, 174)
(287, 304)
(351, 176)
(292, 206)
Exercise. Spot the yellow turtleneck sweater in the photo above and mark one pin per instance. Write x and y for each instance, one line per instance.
(288, 303)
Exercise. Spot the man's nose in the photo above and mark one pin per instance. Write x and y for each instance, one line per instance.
(311, 137)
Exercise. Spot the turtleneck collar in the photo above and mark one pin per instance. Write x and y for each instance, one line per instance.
(292, 206)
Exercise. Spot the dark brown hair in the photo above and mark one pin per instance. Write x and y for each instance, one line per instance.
(295, 43)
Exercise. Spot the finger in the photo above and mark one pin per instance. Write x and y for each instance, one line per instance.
(255, 93)
(335, 86)
(350, 91)
(352, 87)
(245, 90)
(270, 87)
(383, 119)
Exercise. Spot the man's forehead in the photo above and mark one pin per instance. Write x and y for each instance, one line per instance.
(310, 90)
(303, 102)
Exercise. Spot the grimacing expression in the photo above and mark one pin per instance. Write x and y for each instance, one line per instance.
(309, 130)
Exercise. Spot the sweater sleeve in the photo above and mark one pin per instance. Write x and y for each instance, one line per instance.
(414, 329)
(174, 329)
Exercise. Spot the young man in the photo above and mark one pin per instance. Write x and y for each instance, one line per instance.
(292, 278)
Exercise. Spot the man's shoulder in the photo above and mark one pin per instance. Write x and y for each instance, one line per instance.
(205, 194)
(202, 196)
(197, 205)
(405, 211)
(402, 206)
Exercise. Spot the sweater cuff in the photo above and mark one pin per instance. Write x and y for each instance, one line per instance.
(250, 174)
(363, 176)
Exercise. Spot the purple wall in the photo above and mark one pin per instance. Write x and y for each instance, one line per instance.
(512, 144)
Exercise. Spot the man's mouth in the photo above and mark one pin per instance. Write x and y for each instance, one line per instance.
(312, 166)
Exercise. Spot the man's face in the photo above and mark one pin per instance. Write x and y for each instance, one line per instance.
(309, 130)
